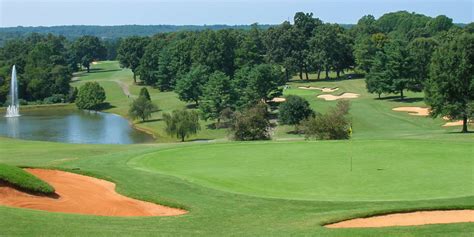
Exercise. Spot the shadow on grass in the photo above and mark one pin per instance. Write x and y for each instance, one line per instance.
(192, 106)
(150, 120)
(100, 70)
(398, 99)
(105, 106)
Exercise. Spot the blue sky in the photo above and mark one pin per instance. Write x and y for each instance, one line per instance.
(199, 12)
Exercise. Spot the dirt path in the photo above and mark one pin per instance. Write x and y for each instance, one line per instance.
(124, 87)
(83, 195)
(409, 219)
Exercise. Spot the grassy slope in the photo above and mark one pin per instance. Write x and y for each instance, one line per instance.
(218, 213)
(24, 180)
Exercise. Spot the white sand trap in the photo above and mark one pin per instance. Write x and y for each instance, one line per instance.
(456, 123)
(417, 111)
(409, 219)
(95, 62)
(278, 99)
(323, 89)
(338, 97)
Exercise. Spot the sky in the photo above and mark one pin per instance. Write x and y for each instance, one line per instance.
(200, 12)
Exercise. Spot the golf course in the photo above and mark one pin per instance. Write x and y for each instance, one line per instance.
(395, 162)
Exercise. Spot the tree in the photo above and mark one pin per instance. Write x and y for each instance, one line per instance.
(377, 80)
(141, 108)
(399, 67)
(144, 93)
(217, 96)
(392, 70)
(450, 88)
(264, 82)
(190, 86)
(294, 110)
(421, 50)
(150, 61)
(252, 124)
(182, 123)
(131, 51)
(91, 96)
(250, 50)
(87, 49)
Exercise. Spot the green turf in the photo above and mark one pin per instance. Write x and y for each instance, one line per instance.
(212, 212)
(23, 180)
(321, 170)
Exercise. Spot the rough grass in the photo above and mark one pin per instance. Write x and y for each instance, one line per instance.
(24, 180)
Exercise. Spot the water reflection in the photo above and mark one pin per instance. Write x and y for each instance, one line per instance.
(72, 126)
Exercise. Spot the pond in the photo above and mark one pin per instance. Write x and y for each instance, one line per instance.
(72, 126)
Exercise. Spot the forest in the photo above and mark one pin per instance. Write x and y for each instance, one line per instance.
(394, 52)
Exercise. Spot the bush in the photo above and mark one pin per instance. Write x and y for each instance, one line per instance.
(56, 98)
(294, 110)
(71, 98)
(91, 96)
(24, 180)
(333, 125)
(252, 124)
(182, 123)
(142, 108)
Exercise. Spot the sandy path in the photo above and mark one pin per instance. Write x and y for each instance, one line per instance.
(418, 111)
(84, 195)
(323, 89)
(338, 97)
(409, 219)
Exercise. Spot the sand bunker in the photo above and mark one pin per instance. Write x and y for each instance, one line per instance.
(83, 195)
(420, 111)
(323, 89)
(338, 97)
(278, 100)
(417, 111)
(409, 219)
(456, 123)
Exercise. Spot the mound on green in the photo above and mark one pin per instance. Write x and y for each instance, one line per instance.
(24, 180)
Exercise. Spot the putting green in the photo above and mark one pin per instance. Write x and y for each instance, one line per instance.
(382, 170)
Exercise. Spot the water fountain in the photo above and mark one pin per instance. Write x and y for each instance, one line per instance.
(13, 109)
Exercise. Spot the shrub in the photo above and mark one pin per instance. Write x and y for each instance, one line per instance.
(182, 123)
(333, 125)
(142, 108)
(72, 94)
(252, 124)
(24, 180)
(294, 110)
(56, 98)
(91, 96)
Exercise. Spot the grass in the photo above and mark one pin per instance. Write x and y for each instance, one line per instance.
(244, 214)
(321, 170)
(401, 163)
(24, 180)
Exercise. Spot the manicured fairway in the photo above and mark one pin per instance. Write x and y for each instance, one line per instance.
(382, 170)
